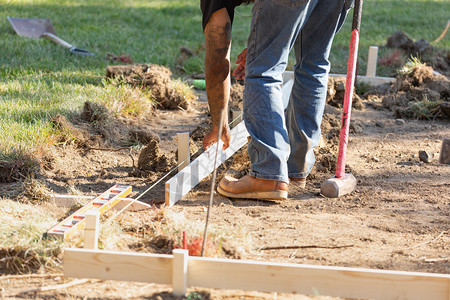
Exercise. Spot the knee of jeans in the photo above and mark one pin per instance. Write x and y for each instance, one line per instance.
(314, 70)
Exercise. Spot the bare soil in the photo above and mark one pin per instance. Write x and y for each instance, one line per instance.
(397, 219)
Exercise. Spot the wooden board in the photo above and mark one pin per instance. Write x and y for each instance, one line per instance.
(76, 221)
(111, 265)
(258, 276)
(71, 200)
(372, 80)
(316, 280)
(202, 166)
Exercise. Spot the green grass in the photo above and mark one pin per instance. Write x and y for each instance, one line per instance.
(39, 79)
(419, 19)
(26, 106)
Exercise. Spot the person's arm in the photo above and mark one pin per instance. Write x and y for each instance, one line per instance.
(217, 75)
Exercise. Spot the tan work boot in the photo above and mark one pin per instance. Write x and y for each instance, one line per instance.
(249, 187)
(298, 182)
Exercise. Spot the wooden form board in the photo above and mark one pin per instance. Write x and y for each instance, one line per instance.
(202, 166)
(123, 266)
(256, 276)
(71, 200)
(372, 80)
(76, 221)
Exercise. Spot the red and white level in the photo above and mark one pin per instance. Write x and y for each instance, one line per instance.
(76, 221)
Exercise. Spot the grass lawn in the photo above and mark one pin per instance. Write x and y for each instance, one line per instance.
(39, 79)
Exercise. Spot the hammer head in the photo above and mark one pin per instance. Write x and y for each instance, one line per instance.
(336, 187)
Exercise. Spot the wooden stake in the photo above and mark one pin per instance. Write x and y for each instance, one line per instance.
(183, 150)
(179, 271)
(372, 61)
(91, 230)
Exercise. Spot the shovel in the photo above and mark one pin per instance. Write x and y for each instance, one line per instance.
(38, 28)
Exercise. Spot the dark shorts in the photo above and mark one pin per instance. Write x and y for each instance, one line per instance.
(211, 6)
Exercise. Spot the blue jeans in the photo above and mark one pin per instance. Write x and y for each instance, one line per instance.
(283, 140)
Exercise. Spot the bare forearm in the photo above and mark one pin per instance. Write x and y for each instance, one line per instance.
(217, 75)
(217, 69)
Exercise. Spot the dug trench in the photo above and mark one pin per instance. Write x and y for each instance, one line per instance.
(397, 219)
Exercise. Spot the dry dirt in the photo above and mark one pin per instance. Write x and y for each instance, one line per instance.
(397, 219)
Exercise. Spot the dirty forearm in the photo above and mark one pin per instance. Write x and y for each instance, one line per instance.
(217, 70)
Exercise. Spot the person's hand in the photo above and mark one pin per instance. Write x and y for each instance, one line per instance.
(239, 72)
(211, 137)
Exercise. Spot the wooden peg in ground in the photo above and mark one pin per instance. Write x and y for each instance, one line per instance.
(444, 156)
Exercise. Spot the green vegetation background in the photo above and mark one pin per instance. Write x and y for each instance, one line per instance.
(39, 79)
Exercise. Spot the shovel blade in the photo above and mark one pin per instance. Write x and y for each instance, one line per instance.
(31, 27)
(80, 51)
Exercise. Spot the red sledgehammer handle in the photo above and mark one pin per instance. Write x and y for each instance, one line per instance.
(349, 86)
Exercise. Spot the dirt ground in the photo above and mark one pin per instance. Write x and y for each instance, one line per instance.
(397, 219)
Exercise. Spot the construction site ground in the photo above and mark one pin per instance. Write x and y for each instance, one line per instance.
(397, 219)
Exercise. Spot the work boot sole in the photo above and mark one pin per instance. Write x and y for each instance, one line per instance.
(297, 183)
(263, 195)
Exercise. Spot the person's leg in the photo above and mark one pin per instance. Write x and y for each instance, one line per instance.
(306, 105)
(217, 69)
(275, 26)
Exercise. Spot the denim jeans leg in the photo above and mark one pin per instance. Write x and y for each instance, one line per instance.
(275, 26)
(307, 101)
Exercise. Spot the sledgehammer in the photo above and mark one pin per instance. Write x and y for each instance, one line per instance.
(342, 183)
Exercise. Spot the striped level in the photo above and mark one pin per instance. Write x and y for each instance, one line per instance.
(75, 222)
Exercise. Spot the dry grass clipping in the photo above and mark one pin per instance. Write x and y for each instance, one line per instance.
(23, 248)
